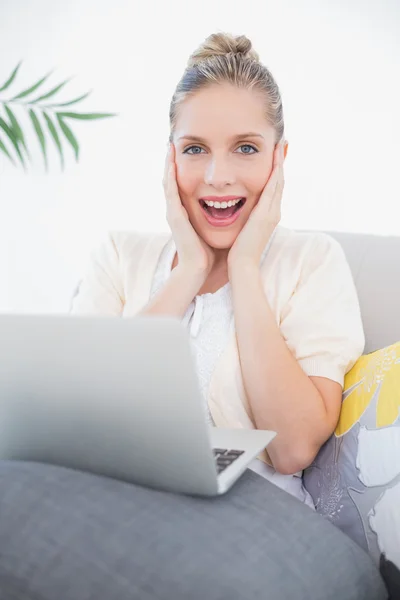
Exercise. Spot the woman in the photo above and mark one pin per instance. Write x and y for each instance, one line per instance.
(273, 314)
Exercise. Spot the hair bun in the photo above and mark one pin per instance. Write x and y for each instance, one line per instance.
(220, 44)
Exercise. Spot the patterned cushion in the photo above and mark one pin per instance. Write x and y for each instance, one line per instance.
(355, 479)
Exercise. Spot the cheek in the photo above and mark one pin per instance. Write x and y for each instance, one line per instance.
(187, 180)
(257, 183)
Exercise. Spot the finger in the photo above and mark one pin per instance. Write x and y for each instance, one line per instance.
(166, 165)
(281, 181)
(268, 193)
(174, 203)
(276, 202)
(270, 186)
(279, 153)
(276, 154)
(169, 164)
(171, 178)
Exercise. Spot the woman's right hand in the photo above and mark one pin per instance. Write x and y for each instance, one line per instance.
(194, 255)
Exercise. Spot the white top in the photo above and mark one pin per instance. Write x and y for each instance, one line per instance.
(310, 289)
(209, 319)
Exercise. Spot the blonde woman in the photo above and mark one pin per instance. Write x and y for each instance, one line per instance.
(273, 314)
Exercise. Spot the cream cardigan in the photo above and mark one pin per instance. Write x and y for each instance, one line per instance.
(308, 285)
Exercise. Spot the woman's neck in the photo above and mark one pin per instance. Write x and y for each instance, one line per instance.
(215, 281)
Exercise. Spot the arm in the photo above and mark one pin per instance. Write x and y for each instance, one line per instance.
(175, 296)
(281, 395)
(102, 291)
(294, 371)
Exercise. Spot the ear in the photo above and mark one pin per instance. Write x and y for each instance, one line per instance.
(285, 150)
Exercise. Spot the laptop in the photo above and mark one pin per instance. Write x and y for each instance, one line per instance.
(116, 397)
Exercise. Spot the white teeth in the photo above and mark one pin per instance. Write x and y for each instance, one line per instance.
(222, 204)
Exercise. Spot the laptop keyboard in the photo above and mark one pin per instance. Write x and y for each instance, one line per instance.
(225, 457)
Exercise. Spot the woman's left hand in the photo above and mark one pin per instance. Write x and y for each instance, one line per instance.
(265, 216)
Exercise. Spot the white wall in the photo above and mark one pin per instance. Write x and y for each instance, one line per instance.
(337, 64)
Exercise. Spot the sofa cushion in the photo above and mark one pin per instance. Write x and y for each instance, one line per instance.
(67, 535)
(355, 479)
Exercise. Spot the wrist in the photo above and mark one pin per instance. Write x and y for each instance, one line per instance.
(243, 267)
(191, 278)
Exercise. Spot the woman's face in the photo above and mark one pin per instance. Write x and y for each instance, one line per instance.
(224, 147)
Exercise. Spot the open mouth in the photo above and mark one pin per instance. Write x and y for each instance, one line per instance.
(224, 216)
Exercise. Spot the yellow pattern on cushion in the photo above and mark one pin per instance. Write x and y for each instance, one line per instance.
(379, 368)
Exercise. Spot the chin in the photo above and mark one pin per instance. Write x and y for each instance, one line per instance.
(220, 240)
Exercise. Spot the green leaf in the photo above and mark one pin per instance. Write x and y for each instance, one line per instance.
(86, 116)
(51, 93)
(16, 128)
(69, 135)
(13, 139)
(40, 134)
(32, 88)
(6, 152)
(11, 78)
(72, 101)
(55, 137)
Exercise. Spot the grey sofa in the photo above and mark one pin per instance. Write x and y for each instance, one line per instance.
(67, 535)
(375, 264)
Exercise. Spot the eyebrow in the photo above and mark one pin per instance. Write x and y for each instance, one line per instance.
(196, 138)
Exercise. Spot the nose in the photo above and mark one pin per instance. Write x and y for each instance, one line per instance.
(219, 172)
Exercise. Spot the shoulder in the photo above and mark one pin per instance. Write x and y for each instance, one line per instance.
(302, 243)
(298, 258)
(305, 251)
(132, 244)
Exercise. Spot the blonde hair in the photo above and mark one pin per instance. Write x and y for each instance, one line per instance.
(224, 58)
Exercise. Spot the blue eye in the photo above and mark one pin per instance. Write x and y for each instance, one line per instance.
(248, 146)
(190, 147)
(242, 146)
